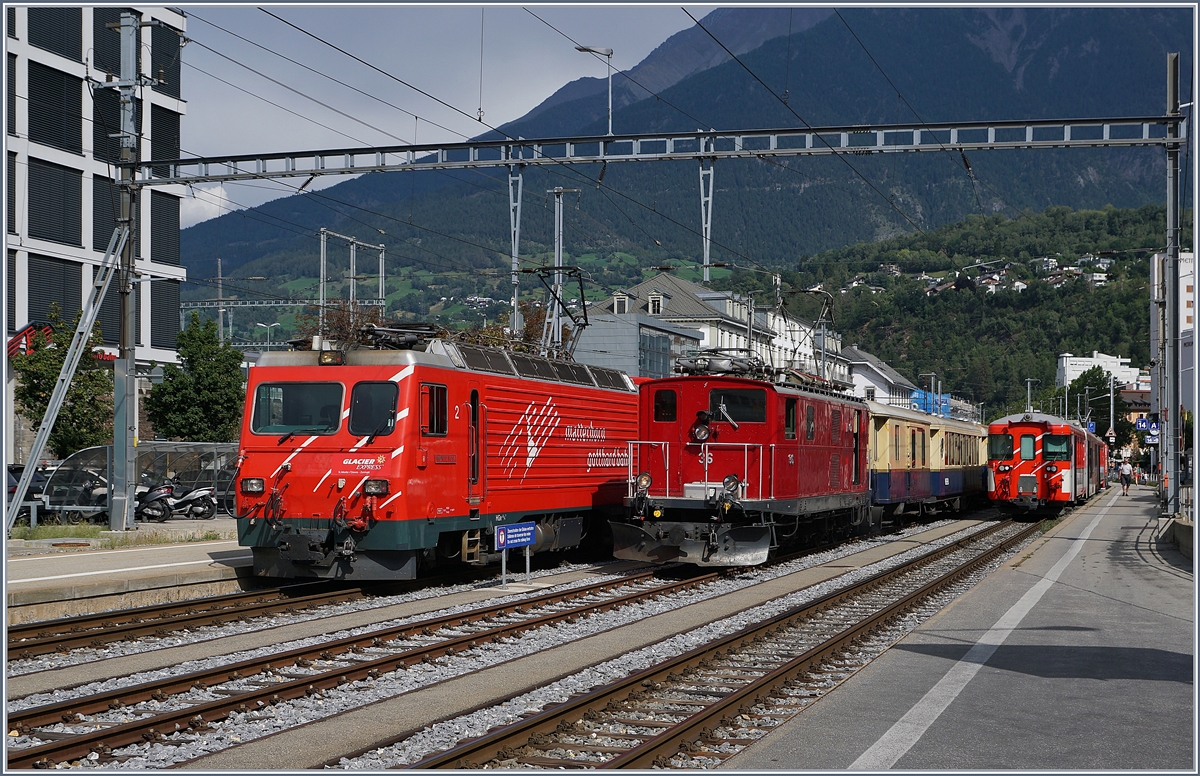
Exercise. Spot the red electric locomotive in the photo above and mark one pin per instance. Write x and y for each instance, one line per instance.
(1042, 463)
(376, 463)
(731, 465)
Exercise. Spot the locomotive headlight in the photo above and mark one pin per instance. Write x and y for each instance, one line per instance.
(1004, 468)
(700, 432)
(1052, 468)
(331, 358)
(730, 483)
(252, 485)
(375, 487)
(644, 481)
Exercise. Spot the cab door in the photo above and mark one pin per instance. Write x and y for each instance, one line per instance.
(476, 470)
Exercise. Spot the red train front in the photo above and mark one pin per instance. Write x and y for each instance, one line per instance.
(729, 468)
(1040, 462)
(373, 463)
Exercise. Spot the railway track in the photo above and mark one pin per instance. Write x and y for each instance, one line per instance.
(98, 724)
(705, 705)
(63, 635)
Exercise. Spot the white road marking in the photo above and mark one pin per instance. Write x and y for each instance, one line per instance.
(112, 571)
(893, 745)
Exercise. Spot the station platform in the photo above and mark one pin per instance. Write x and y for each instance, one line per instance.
(47, 579)
(1077, 653)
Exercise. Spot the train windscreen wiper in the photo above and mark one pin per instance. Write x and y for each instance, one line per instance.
(295, 431)
(387, 422)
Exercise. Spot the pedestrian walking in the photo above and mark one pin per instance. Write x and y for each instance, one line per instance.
(1126, 475)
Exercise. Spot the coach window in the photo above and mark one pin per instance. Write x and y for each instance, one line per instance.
(373, 409)
(1000, 447)
(284, 408)
(1027, 447)
(433, 410)
(789, 419)
(810, 425)
(664, 406)
(1056, 447)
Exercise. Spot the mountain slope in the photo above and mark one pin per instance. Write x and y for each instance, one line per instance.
(985, 64)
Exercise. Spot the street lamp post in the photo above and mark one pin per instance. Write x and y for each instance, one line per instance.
(604, 52)
(268, 327)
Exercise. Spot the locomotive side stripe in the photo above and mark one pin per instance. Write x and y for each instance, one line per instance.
(403, 373)
(390, 500)
(303, 445)
(397, 452)
(359, 485)
(327, 473)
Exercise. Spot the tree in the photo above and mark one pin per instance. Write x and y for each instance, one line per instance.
(86, 415)
(202, 401)
(343, 321)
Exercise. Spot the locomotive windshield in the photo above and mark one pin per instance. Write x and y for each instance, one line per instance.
(1056, 447)
(742, 405)
(1000, 447)
(373, 408)
(283, 408)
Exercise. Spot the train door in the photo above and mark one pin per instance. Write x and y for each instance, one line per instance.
(785, 466)
(476, 441)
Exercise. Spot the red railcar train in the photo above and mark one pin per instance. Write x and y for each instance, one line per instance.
(378, 462)
(1042, 463)
(729, 467)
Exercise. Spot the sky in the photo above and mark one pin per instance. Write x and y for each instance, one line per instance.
(519, 62)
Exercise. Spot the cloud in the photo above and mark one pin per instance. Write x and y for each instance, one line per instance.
(202, 203)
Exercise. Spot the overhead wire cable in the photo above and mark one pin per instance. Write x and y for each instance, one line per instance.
(496, 129)
(840, 156)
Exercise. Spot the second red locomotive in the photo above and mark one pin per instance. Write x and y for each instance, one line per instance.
(1042, 463)
(731, 465)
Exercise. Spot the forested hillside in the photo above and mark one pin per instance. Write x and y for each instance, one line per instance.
(984, 345)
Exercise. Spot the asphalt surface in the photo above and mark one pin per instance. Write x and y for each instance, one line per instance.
(1078, 653)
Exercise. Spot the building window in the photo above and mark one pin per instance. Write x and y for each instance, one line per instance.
(12, 93)
(54, 281)
(59, 30)
(621, 304)
(656, 304)
(12, 21)
(106, 41)
(12, 292)
(164, 313)
(12, 193)
(164, 228)
(109, 316)
(106, 123)
(654, 355)
(870, 394)
(164, 59)
(55, 108)
(55, 200)
(164, 138)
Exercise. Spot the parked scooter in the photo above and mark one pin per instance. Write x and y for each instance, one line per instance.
(167, 500)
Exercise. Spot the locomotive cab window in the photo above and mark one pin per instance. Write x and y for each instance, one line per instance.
(434, 410)
(664, 406)
(742, 405)
(810, 424)
(1056, 447)
(1000, 447)
(1027, 450)
(789, 419)
(373, 408)
(283, 408)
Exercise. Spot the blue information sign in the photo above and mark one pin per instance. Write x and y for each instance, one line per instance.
(1154, 427)
(1092, 426)
(1142, 424)
(515, 535)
